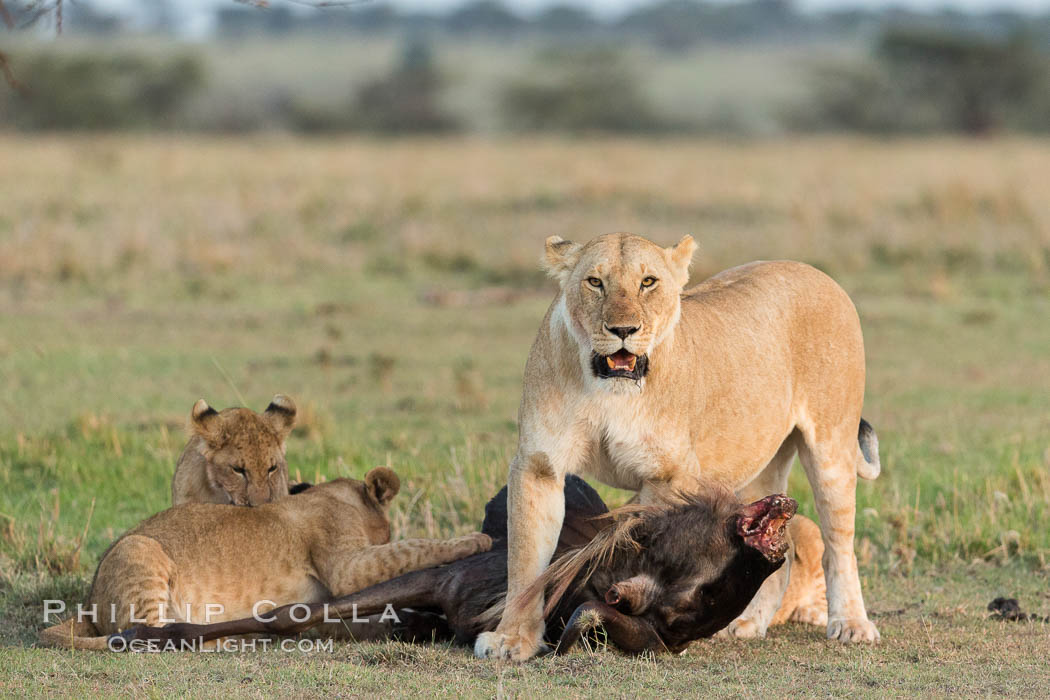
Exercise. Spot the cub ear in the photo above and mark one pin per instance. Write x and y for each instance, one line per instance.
(206, 422)
(679, 257)
(281, 415)
(560, 258)
(382, 484)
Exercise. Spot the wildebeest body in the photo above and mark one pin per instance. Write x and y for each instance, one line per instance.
(655, 578)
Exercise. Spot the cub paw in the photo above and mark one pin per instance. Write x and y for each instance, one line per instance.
(477, 542)
(497, 645)
(853, 631)
(811, 615)
(743, 628)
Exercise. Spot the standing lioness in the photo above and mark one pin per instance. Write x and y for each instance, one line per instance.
(640, 385)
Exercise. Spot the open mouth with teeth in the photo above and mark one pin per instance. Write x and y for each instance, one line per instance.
(620, 364)
(763, 525)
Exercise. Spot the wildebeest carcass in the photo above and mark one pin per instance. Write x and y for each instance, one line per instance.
(653, 577)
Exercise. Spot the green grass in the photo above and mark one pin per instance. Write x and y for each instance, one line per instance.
(391, 289)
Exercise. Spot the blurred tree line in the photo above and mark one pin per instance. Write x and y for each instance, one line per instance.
(931, 80)
(938, 72)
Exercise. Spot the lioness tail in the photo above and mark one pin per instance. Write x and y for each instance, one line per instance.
(868, 465)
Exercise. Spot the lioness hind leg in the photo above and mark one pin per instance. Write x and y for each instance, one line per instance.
(760, 612)
(830, 466)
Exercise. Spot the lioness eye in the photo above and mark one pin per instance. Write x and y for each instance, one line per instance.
(594, 282)
(239, 470)
(273, 468)
(649, 281)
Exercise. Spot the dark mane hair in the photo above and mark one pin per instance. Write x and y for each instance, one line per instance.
(618, 533)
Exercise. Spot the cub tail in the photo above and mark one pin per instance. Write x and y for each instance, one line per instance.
(71, 634)
(868, 465)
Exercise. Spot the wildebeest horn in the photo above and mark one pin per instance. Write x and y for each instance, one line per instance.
(631, 634)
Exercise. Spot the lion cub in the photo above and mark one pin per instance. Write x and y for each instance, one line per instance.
(805, 599)
(236, 456)
(198, 562)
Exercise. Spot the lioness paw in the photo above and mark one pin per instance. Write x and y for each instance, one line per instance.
(811, 615)
(853, 630)
(743, 628)
(496, 645)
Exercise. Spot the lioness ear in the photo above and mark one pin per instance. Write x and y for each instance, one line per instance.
(206, 422)
(560, 257)
(680, 257)
(382, 484)
(281, 415)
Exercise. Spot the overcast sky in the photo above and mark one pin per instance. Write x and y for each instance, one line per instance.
(196, 14)
(615, 7)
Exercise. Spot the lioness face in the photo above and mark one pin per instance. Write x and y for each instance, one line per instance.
(622, 298)
(245, 450)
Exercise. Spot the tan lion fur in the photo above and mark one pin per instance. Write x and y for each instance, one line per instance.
(328, 541)
(744, 370)
(235, 456)
(805, 598)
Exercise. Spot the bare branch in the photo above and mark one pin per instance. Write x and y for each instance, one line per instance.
(265, 4)
(8, 20)
(328, 3)
(9, 76)
(38, 9)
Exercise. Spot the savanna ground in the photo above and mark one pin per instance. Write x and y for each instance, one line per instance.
(392, 288)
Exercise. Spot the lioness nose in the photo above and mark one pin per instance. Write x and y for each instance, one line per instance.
(622, 331)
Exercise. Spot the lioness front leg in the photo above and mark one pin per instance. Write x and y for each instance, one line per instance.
(371, 565)
(536, 508)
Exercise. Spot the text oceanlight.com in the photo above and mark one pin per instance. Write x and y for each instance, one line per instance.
(303, 646)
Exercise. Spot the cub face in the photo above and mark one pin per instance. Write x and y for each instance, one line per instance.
(622, 298)
(244, 450)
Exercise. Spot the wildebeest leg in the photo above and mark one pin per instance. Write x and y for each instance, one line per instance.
(419, 589)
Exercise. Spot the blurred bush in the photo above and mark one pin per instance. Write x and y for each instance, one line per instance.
(922, 80)
(407, 100)
(100, 91)
(579, 89)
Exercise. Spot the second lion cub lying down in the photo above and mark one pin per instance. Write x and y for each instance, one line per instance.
(332, 540)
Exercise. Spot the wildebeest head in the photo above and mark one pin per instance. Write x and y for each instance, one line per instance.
(657, 578)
